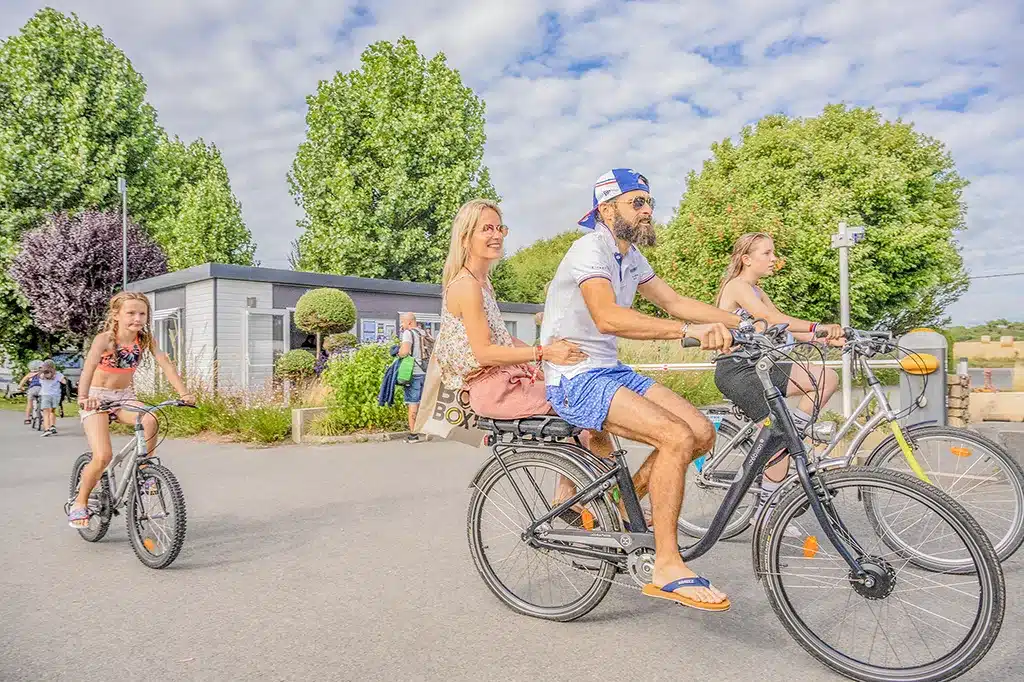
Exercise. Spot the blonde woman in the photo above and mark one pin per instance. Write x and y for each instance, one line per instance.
(474, 350)
(754, 258)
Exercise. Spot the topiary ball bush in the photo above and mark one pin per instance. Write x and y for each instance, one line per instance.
(340, 342)
(325, 311)
(295, 364)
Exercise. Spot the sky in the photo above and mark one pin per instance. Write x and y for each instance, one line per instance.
(574, 87)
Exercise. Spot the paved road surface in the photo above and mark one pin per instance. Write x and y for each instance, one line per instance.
(342, 563)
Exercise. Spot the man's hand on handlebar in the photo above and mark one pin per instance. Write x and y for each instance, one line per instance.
(188, 399)
(715, 336)
(832, 332)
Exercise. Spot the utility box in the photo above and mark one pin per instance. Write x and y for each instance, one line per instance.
(923, 377)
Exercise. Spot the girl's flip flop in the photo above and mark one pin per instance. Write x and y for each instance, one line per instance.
(669, 592)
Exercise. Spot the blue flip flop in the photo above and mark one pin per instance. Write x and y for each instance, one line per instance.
(668, 592)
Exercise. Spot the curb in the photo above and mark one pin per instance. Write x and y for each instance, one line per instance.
(359, 438)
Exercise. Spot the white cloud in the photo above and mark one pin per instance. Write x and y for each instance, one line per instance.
(563, 103)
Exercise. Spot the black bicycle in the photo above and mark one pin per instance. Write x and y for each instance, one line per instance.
(147, 489)
(848, 589)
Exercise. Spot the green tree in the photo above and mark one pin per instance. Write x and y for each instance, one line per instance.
(73, 117)
(796, 179)
(392, 150)
(523, 276)
(202, 221)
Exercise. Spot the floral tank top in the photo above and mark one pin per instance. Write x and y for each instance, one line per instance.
(452, 350)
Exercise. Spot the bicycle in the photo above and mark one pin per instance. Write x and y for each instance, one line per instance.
(979, 473)
(868, 581)
(147, 489)
(36, 412)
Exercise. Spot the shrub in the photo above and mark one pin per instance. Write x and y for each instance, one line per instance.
(246, 419)
(295, 365)
(342, 341)
(354, 383)
(324, 311)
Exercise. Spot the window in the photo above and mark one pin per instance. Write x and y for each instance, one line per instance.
(376, 331)
(299, 338)
(510, 325)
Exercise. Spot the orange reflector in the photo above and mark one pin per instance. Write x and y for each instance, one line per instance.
(149, 544)
(587, 519)
(961, 452)
(810, 547)
(919, 363)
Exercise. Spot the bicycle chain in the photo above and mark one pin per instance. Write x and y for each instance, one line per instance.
(559, 558)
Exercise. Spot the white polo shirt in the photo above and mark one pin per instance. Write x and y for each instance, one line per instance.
(565, 312)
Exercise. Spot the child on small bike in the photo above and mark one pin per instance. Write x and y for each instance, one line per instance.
(50, 381)
(30, 384)
(107, 377)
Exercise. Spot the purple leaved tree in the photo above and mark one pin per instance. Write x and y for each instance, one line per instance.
(70, 267)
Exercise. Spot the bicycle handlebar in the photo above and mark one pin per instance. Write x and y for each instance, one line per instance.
(132, 406)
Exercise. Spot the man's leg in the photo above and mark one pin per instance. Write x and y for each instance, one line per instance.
(703, 430)
(637, 418)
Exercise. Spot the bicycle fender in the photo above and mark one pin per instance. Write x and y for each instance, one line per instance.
(890, 441)
(475, 481)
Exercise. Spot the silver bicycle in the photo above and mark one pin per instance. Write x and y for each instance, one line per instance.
(975, 471)
(147, 489)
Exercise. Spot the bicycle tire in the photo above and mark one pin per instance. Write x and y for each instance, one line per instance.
(168, 484)
(37, 415)
(739, 522)
(102, 519)
(603, 515)
(987, 622)
(889, 453)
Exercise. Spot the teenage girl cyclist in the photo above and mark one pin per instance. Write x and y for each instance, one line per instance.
(753, 258)
(106, 377)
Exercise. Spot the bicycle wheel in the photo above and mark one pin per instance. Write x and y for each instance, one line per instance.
(534, 582)
(973, 470)
(99, 501)
(703, 498)
(156, 516)
(906, 623)
(37, 415)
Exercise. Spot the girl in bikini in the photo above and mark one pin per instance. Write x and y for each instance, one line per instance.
(107, 377)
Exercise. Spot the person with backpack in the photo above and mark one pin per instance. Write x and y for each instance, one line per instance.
(412, 369)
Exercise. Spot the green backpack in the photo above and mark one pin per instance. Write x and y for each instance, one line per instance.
(407, 364)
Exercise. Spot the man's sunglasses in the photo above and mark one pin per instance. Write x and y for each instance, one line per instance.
(638, 203)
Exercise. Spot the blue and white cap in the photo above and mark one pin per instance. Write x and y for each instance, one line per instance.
(610, 185)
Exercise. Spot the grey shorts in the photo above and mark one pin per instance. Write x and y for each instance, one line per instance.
(49, 402)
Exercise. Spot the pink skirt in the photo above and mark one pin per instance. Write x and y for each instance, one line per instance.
(510, 392)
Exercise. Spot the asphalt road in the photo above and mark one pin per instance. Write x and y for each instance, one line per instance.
(343, 563)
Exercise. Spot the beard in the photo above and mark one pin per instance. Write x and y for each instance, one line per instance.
(639, 232)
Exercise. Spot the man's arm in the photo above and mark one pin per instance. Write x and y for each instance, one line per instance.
(405, 350)
(611, 318)
(658, 292)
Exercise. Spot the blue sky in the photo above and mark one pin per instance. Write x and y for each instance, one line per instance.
(575, 86)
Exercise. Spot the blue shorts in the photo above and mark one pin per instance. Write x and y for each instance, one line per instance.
(584, 400)
(414, 391)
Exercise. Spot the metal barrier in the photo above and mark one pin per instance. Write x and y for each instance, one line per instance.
(710, 366)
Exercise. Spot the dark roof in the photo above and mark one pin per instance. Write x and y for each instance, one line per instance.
(248, 273)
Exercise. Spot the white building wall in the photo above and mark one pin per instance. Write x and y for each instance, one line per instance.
(200, 352)
(231, 303)
(525, 326)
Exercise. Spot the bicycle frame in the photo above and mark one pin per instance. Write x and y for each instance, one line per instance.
(884, 414)
(138, 449)
(780, 434)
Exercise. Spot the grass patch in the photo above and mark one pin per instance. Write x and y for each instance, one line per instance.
(696, 386)
(18, 405)
(992, 363)
(244, 419)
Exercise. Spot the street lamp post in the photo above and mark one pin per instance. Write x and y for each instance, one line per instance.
(843, 239)
(122, 187)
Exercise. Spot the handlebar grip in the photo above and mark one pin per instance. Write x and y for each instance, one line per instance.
(690, 343)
